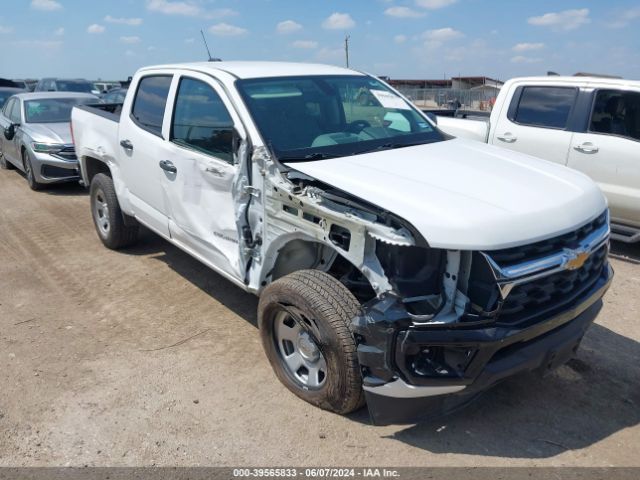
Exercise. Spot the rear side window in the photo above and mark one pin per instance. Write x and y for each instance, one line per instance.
(150, 102)
(616, 112)
(201, 121)
(545, 106)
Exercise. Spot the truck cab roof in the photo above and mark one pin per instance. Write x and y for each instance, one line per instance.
(243, 70)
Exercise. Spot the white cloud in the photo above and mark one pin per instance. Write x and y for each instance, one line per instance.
(130, 40)
(5, 29)
(58, 32)
(189, 40)
(403, 12)
(46, 5)
(133, 22)
(305, 44)
(434, 4)
(400, 39)
(330, 54)
(523, 59)
(442, 34)
(151, 48)
(624, 18)
(221, 13)
(565, 20)
(130, 53)
(338, 21)
(173, 8)
(95, 28)
(226, 30)
(288, 26)
(527, 47)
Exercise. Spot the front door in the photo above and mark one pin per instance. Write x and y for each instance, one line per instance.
(200, 179)
(536, 122)
(609, 152)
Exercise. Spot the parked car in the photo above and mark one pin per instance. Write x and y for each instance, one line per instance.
(589, 124)
(105, 87)
(393, 263)
(79, 85)
(116, 95)
(27, 85)
(36, 136)
(6, 92)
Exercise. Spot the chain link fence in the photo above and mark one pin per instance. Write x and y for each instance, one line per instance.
(481, 100)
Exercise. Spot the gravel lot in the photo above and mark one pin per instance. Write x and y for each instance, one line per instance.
(146, 357)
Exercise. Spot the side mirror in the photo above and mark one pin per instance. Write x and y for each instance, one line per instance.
(10, 131)
(432, 116)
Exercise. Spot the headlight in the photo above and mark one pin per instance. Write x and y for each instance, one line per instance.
(47, 147)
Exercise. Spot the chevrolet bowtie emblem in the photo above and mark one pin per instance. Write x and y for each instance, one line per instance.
(576, 259)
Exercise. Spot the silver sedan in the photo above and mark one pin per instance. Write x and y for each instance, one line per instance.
(35, 136)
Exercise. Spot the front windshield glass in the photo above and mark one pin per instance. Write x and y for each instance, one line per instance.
(52, 110)
(315, 117)
(74, 86)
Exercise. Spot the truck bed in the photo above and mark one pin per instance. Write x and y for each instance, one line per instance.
(109, 111)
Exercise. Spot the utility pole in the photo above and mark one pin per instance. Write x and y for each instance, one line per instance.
(346, 48)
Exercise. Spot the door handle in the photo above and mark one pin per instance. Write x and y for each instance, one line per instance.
(168, 166)
(126, 144)
(586, 147)
(507, 137)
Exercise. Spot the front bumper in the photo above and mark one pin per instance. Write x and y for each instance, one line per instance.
(396, 394)
(51, 169)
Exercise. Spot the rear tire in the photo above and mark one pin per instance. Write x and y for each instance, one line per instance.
(5, 164)
(107, 216)
(28, 171)
(304, 323)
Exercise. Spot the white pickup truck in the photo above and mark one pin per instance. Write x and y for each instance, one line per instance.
(589, 124)
(394, 264)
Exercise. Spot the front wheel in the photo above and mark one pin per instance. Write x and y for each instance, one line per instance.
(304, 324)
(107, 216)
(28, 171)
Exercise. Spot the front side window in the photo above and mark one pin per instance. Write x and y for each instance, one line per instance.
(52, 110)
(6, 109)
(323, 116)
(150, 102)
(201, 121)
(545, 106)
(14, 113)
(616, 112)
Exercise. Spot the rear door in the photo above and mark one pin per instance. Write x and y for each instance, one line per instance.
(536, 121)
(141, 142)
(201, 172)
(609, 151)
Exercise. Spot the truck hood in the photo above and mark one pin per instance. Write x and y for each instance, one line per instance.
(49, 132)
(461, 194)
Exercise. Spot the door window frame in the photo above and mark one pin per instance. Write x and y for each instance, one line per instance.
(514, 106)
(594, 98)
(160, 133)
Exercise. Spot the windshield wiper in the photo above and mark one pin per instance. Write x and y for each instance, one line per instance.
(388, 146)
(309, 157)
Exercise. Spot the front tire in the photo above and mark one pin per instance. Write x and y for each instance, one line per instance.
(28, 171)
(304, 322)
(107, 216)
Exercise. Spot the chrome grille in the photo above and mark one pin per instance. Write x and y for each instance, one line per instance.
(67, 153)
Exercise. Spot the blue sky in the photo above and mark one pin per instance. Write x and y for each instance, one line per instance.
(398, 38)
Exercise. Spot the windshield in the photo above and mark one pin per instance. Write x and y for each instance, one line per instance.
(51, 110)
(74, 86)
(315, 117)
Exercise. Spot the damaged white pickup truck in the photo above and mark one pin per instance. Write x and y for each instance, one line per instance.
(395, 265)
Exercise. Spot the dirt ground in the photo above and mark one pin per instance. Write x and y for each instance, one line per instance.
(145, 357)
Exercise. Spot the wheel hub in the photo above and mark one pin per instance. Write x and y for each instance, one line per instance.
(308, 348)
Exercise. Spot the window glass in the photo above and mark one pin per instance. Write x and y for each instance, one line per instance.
(150, 101)
(616, 112)
(52, 110)
(201, 121)
(545, 106)
(316, 117)
(81, 86)
(6, 110)
(14, 114)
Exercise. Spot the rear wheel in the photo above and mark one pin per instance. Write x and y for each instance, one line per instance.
(28, 171)
(107, 216)
(304, 324)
